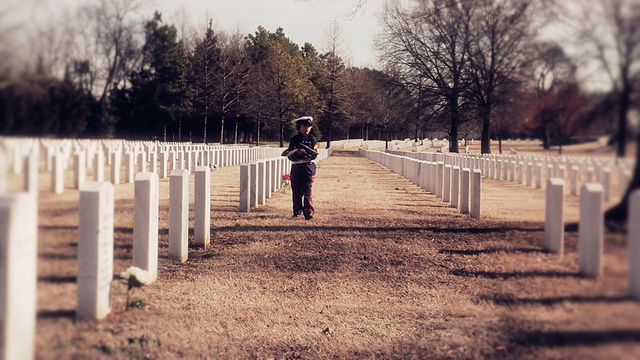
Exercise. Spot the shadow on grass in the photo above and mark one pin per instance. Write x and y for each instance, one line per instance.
(548, 301)
(489, 251)
(366, 229)
(57, 279)
(52, 256)
(56, 314)
(575, 338)
(512, 274)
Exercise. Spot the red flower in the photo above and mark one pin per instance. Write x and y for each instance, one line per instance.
(286, 177)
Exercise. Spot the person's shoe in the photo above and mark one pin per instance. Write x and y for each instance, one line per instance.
(296, 217)
(308, 216)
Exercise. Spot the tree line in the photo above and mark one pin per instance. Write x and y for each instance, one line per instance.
(464, 68)
(122, 77)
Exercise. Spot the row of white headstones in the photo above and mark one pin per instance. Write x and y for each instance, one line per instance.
(434, 175)
(452, 182)
(18, 216)
(257, 177)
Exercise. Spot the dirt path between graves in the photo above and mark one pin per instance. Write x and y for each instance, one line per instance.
(384, 270)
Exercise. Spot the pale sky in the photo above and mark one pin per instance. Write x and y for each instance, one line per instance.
(302, 20)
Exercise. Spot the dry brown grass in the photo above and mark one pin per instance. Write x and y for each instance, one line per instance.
(385, 270)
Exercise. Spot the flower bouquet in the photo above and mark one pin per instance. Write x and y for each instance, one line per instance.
(286, 178)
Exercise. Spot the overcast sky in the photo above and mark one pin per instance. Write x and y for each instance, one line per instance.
(302, 20)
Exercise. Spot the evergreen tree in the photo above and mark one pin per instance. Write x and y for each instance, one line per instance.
(159, 92)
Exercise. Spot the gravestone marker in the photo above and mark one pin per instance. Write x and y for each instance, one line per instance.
(554, 216)
(464, 190)
(476, 192)
(145, 220)
(634, 245)
(245, 187)
(18, 275)
(202, 206)
(95, 249)
(455, 187)
(446, 185)
(591, 230)
(179, 215)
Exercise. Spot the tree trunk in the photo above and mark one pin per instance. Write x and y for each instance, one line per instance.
(545, 137)
(620, 212)
(455, 120)
(204, 136)
(330, 132)
(485, 140)
(258, 131)
(235, 135)
(281, 133)
(222, 129)
(623, 110)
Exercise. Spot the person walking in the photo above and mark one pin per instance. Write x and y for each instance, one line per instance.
(302, 152)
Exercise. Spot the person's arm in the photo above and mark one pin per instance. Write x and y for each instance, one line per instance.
(314, 145)
(291, 147)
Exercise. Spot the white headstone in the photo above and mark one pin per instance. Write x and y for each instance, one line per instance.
(455, 187)
(145, 223)
(464, 190)
(179, 215)
(95, 249)
(4, 162)
(446, 185)
(269, 178)
(476, 192)
(573, 180)
(142, 162)
(129, 163)
(439, 179)
(98, 167)
(262, 181)
(57, 175)
(116, 161)
(163, 165)
(554, 216)
(605, 180)
(202, 206)
(512, 171)
(591, 230)
(521, 166)
(18, 275)
(153, 162)
(245, 187)
(253, 168)
(31, 170)
(634, 245)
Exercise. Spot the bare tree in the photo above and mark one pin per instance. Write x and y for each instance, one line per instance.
(109, 44)
(333, 86)
(498, 50)
(611, 30)
(550, 70)
(432, 38)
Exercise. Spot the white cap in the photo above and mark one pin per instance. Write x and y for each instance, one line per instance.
(307, 118)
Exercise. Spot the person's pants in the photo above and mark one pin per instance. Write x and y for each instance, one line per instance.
(301, 184)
